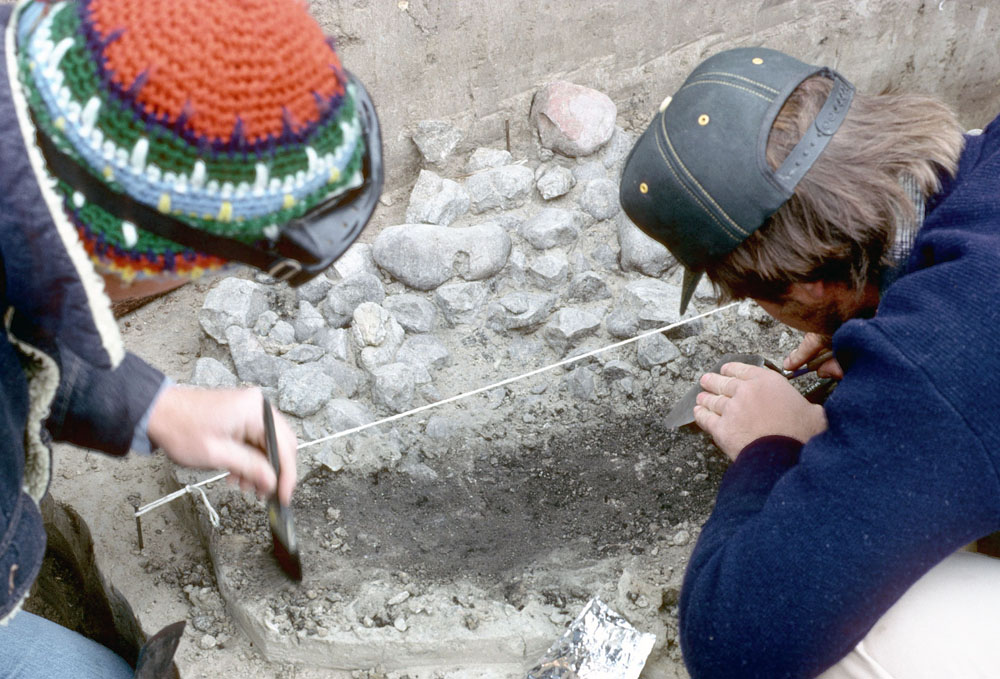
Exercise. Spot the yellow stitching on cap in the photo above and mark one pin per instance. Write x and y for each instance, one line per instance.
(665, 103)
(694, 181)
(757, 61)
(722, 82)
(164, 204)
(737, 77)
(703, 119)
(643, 187)
(695, 198)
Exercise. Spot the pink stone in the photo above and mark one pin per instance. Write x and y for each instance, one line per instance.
(571, 119)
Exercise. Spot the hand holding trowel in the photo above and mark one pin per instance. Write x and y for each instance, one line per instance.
(286, 549)
(683, 411)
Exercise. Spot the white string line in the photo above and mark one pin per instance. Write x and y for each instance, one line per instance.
(214, 517)
(509, 380)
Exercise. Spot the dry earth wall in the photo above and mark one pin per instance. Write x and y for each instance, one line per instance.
(479, 62)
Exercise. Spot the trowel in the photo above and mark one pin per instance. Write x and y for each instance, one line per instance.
(683, 411)
(286, 550)
(156, 657)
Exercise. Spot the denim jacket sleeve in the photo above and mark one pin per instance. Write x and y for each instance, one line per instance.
(100, 409)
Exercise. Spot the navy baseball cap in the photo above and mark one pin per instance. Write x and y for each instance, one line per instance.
(697, 180)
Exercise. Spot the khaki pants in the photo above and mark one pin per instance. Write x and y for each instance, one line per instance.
(947, 626)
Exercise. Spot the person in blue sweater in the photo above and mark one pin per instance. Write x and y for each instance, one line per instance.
(872, 223)
(151, 141)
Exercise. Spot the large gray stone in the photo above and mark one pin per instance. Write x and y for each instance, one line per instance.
(313, 291)
(599, 199)
(348, 381)
(436, 139)
(282, 333)
(641, 253)
(552, 227)
(233, 301)
(413, 312)
(436, 201)
(549, 271)
(655, 350)
(582, 384)
(567, 327)
(212, 374)
(520, 311)
(304, 353)
(308, 321)
(571, 119)
(617, 150)
(377, 333)
(588, 287)
(485, 158)
(336, 342)
(500, 187)
(555, 181)
(644, 304)
(357, 259)
(461, 302)
(253, 363)
(425, 350)
(303, 389)
(344, 413)
(345, 296)
(423, 256)
(393, 386)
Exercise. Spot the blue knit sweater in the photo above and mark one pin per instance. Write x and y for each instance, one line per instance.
(809, 545)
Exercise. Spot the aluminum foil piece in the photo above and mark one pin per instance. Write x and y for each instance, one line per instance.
(599, 644)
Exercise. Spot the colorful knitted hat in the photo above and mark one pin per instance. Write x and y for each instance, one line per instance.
(233, 117)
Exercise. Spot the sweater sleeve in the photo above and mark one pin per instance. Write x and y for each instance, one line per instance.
(808, 546)
(101, 409)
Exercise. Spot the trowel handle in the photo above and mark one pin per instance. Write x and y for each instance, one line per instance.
(270, 439)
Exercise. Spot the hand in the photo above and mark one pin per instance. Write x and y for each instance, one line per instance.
(812, 345)
(224, 429)
(746, 403)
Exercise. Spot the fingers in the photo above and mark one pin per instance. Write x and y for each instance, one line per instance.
(714, 402)
(831, 369)
(246, 465)
(706, 419)
(812, 344)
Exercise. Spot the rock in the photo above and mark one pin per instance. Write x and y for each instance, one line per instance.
(357, 259)
(304, 353)
(336, 342)
(567, 327)
(347, 380)
(377, 333)
(526, 351)
(303, 389)
(517, 267)
(253, 363)
(655, 350)
(265, 322)
(589, 171)
(614, 154)
(588, 287)
(599, 199)
(606, 256)
(212, 374)
(207, 642)
(313, 291)
(549, 271)
(461, 302)
(308, 321)
(413, 312)
(555, 181)
(424, 350)
(423, 256)
(282, 332)
(581, 384)
(234, 301)
(641, 253)
(436, 201)
(500, 187)
(615, 370)
(436, 139)
(571, 119)
(484, 158)
(343, 413)
(441, 428)
(644, 304)
(393, 386)
(519, 311)
(345, 296)
(552, 227)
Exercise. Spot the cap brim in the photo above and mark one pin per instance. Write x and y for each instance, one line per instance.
(691, 280)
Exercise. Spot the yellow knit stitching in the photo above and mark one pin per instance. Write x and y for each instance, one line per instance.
(723, 82)
(689, 192)
(702, 188)
(740, 77)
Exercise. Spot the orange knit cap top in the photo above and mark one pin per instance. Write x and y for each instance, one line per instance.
(216, 63)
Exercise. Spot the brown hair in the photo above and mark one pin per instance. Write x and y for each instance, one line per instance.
(840, 222)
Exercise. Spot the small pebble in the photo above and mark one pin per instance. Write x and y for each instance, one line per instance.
(400, 623)
(207, 642)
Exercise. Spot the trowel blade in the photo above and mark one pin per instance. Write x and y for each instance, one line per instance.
(156, 657)
(683, 411)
